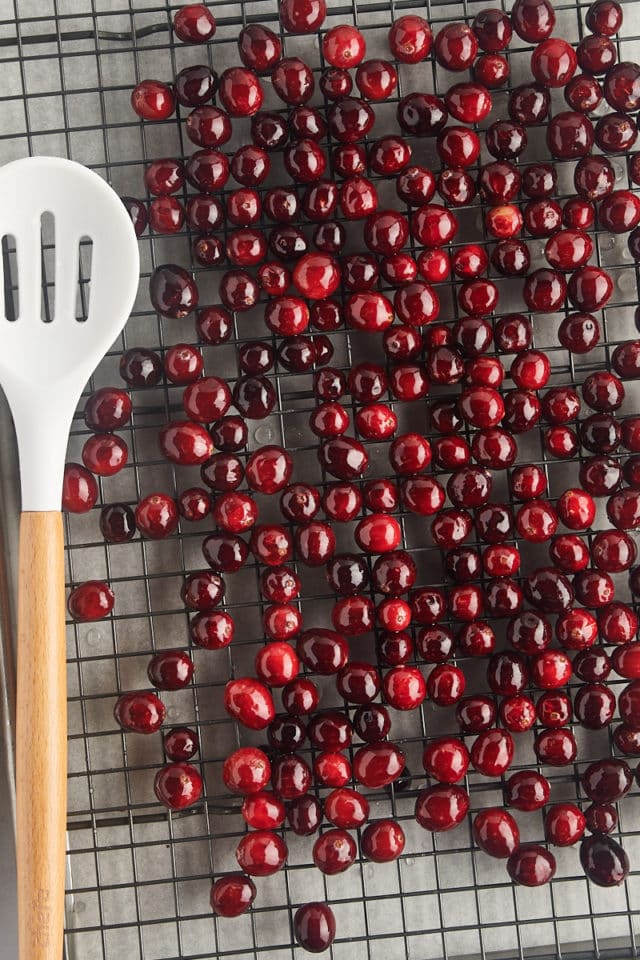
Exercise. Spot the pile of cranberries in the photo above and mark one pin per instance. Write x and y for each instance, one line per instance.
(530, 578)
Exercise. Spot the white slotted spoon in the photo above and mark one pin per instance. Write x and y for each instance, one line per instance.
(44, 367)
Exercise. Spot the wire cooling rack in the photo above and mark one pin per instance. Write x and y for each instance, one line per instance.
(139, 877)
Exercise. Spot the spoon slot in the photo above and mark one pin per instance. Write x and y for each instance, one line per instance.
(83, 299)
(48, 259)
(9, 277)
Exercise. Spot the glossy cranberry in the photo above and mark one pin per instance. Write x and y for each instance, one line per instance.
(569, 135)
(496, 832)
(314, 926)
(335, 83)
(376, 79)
(544, 291)
(440, 808)
(173, 291)
(505, 139)
(475, 714)
(446, 759)
(583, 93)
(181, 743)
(259, 47)
(157, 516)
(357, 198)
(250, 702)
(343, 46)
(139, 712)
(494, 522)
(604, 861)
(542, 217)
(527, 790)
(476, 639)
(232, 895)
(291, 776)
(606, 781)
(421, 115)
(455, 46)
(531, 865)
(153, 100)
(79, 489)
(618, 623)
(246, 771)
(166, 215)
(492, 70)
(529, 103)
(348, 159)
(334, 851)
(533, 20)
(261, 853)
(292, 81)
(170, 670)
(212, 630)
(548, 590)
(304, 815)
(596, 55)
(208, 126)
(163, 177)
(554, 62)
(378, 764)
(410, 38)
(627, 741)
(117, 523)
(178, 785)
(556, 747)
(300, 696)
(492, 752)
(302, 16)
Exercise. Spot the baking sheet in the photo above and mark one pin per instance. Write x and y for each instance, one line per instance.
(139, 877)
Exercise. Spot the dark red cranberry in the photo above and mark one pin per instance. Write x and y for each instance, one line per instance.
(178, 785)
(531, 865)
(604, 861)
(314, 926)
(440, 808)
(139, 712)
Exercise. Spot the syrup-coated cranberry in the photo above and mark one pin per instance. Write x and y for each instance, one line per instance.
(157, 516)
(170, 670)
(232, 895)
(440, 808)
(604, 861)
(293, 81)
(496, 832)
(261, 853)
(153, 100)
(314, 926)
(527, 790)
(304, 815)
(259, 47)
(531, 865)
(302, 16)
(178, 785)
(139, 712)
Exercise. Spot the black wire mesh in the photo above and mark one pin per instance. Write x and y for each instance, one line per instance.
(139, 877)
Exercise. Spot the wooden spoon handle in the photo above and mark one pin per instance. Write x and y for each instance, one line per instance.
(41, 737)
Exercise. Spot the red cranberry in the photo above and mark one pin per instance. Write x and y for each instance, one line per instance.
(527, 790)
(139, 712)
(531, 865)
(178, 785)
(79, 489)
(170, 670)
(153, 100)
(533, 20)
(314, 926)
(261, 853)
(604, 861)
(496, 832)
(440, 808)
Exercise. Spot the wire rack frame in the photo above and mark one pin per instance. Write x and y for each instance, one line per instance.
(139, 876)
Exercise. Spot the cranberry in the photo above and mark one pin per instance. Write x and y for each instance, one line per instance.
(292, 80)
(556, 747)
(195, 85)
(259, 47)
(178, 785)
(208, 126)
(322, 651)
(604, 861)
(496, 832)
(492, 752)
(527, 790)
(410, 38)
(212, 630)
(304, 815)
(383, 841)
(232, 895)
(300, 696)
(314, 926)
(531, 865)
(376, 79)
(250, 702)
(492, 70)
(261, 853)
(139, 712)
(446, 759)
(302, 16)
(378, 764)
(153, 100)
(170, 670)
(117, 523)
(334, 851)
(343, 46)
(79, 489)
(475, 714)
(91, 600)
(533, 20)
(440, 808)
(246, 771)
(553, 62)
